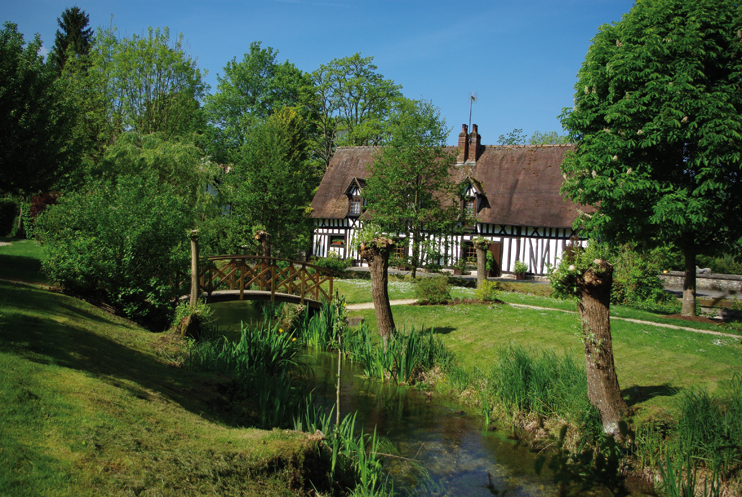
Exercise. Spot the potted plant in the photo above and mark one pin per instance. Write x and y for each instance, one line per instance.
(520, 269)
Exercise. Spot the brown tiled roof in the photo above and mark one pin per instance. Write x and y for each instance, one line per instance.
(521, 184)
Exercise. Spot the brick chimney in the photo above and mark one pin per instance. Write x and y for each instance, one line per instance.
(474, 141)
(463, 145)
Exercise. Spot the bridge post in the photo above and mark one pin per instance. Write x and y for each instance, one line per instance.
(194, 268)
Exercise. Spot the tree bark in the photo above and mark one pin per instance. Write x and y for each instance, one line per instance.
(602, 382)
(194, 269)
(415, 259)
(377, 255)
(481, 266)
(689, 282)
(265, 242)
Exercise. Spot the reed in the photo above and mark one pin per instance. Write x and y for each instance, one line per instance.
(266, 367)
(541, 382)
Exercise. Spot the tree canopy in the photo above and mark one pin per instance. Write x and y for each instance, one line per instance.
(269, 188)
(75, 37)
(248, 93)
(410, 189)
(142, 84)
(657, 124)
(351, 104)
(35, 120)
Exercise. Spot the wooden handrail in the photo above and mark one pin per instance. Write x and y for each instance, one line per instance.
(238, 272)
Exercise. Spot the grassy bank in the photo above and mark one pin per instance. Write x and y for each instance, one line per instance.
(653, 363)
(95, 405)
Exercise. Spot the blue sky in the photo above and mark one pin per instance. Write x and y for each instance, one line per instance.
(520, 57)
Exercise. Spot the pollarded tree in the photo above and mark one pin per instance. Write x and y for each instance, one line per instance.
(657, 124)
(76, 37)
(588, 277)
(409, 189)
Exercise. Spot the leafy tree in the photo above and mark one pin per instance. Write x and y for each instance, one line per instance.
(121, 242)
(247, 94)
(75, 37)
(351, 103)
(657, 124)
(515, 137)
(269, 188)
(35, 120)
(176, 162)
(143, 84)
(409, 189)
(548, 138)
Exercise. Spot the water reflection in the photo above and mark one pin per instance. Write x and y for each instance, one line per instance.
(446, 440)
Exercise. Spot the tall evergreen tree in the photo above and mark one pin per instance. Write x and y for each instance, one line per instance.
(75, 36)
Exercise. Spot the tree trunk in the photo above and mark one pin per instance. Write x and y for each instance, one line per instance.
(602, 382)
(415, 259)
(481, 266)
(194, 269)
(265, 242)
(689, 282)
(377, 255)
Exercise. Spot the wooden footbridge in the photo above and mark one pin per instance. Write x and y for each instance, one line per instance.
(252, 277)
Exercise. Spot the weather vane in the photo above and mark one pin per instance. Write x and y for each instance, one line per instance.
(472, 99)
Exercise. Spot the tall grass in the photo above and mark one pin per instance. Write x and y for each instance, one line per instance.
(709, 429)
(266, 368)
(406, 357)
(355, 456)
(701, 452)
(541, 382)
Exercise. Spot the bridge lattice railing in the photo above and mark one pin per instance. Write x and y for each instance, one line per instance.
(254, 272)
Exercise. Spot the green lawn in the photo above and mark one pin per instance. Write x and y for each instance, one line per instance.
(21, 260)
(92, 404)
(652, 362)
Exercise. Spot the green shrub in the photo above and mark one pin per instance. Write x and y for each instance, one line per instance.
(435, 289)
(488, 292)
(635, 276)
(121, 243)
(520, 267)
(725, 264)
(333, 262)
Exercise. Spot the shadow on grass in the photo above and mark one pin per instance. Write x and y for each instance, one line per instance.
(443, 330)
(18, 267)
(636, 394)
(49, 328)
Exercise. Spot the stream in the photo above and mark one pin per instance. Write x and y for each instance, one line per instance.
(439, 434)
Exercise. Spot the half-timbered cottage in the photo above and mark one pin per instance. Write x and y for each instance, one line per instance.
(511, 191)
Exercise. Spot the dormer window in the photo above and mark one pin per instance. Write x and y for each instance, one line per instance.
(470, 207)
(472, 197)
(356, 203)
(355, 198)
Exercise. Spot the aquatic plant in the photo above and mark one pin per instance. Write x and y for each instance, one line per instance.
(265, 365)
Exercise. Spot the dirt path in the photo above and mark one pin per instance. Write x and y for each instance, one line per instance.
(370, 305)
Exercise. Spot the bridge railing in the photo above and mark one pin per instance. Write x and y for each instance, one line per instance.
(254, 272)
